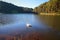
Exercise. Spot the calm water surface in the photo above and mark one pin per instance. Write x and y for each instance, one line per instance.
(16, 23)
(13, 26)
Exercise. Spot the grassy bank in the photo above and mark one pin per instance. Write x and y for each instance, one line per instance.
(51, 19)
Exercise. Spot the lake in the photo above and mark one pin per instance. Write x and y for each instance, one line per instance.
(15, 25)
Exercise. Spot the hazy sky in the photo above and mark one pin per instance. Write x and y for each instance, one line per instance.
(26, 3)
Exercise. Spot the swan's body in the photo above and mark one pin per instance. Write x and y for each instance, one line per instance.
(28, 25)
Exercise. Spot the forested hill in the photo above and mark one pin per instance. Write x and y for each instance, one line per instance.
(52, 6)
(10, 8)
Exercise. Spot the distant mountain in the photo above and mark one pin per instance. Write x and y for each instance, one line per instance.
(52, 6)
(10, 8)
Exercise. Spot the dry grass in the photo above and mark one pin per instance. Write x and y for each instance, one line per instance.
(50, 14)
(32, 36)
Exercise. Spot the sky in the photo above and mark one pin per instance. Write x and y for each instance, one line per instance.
(26, 3)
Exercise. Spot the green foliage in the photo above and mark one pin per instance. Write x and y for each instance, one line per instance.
(10, 8)
(51, 6)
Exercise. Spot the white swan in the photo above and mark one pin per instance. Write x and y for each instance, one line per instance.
(28, 25)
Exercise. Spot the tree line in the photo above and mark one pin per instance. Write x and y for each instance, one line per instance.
(11, 8)
(52, 6)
